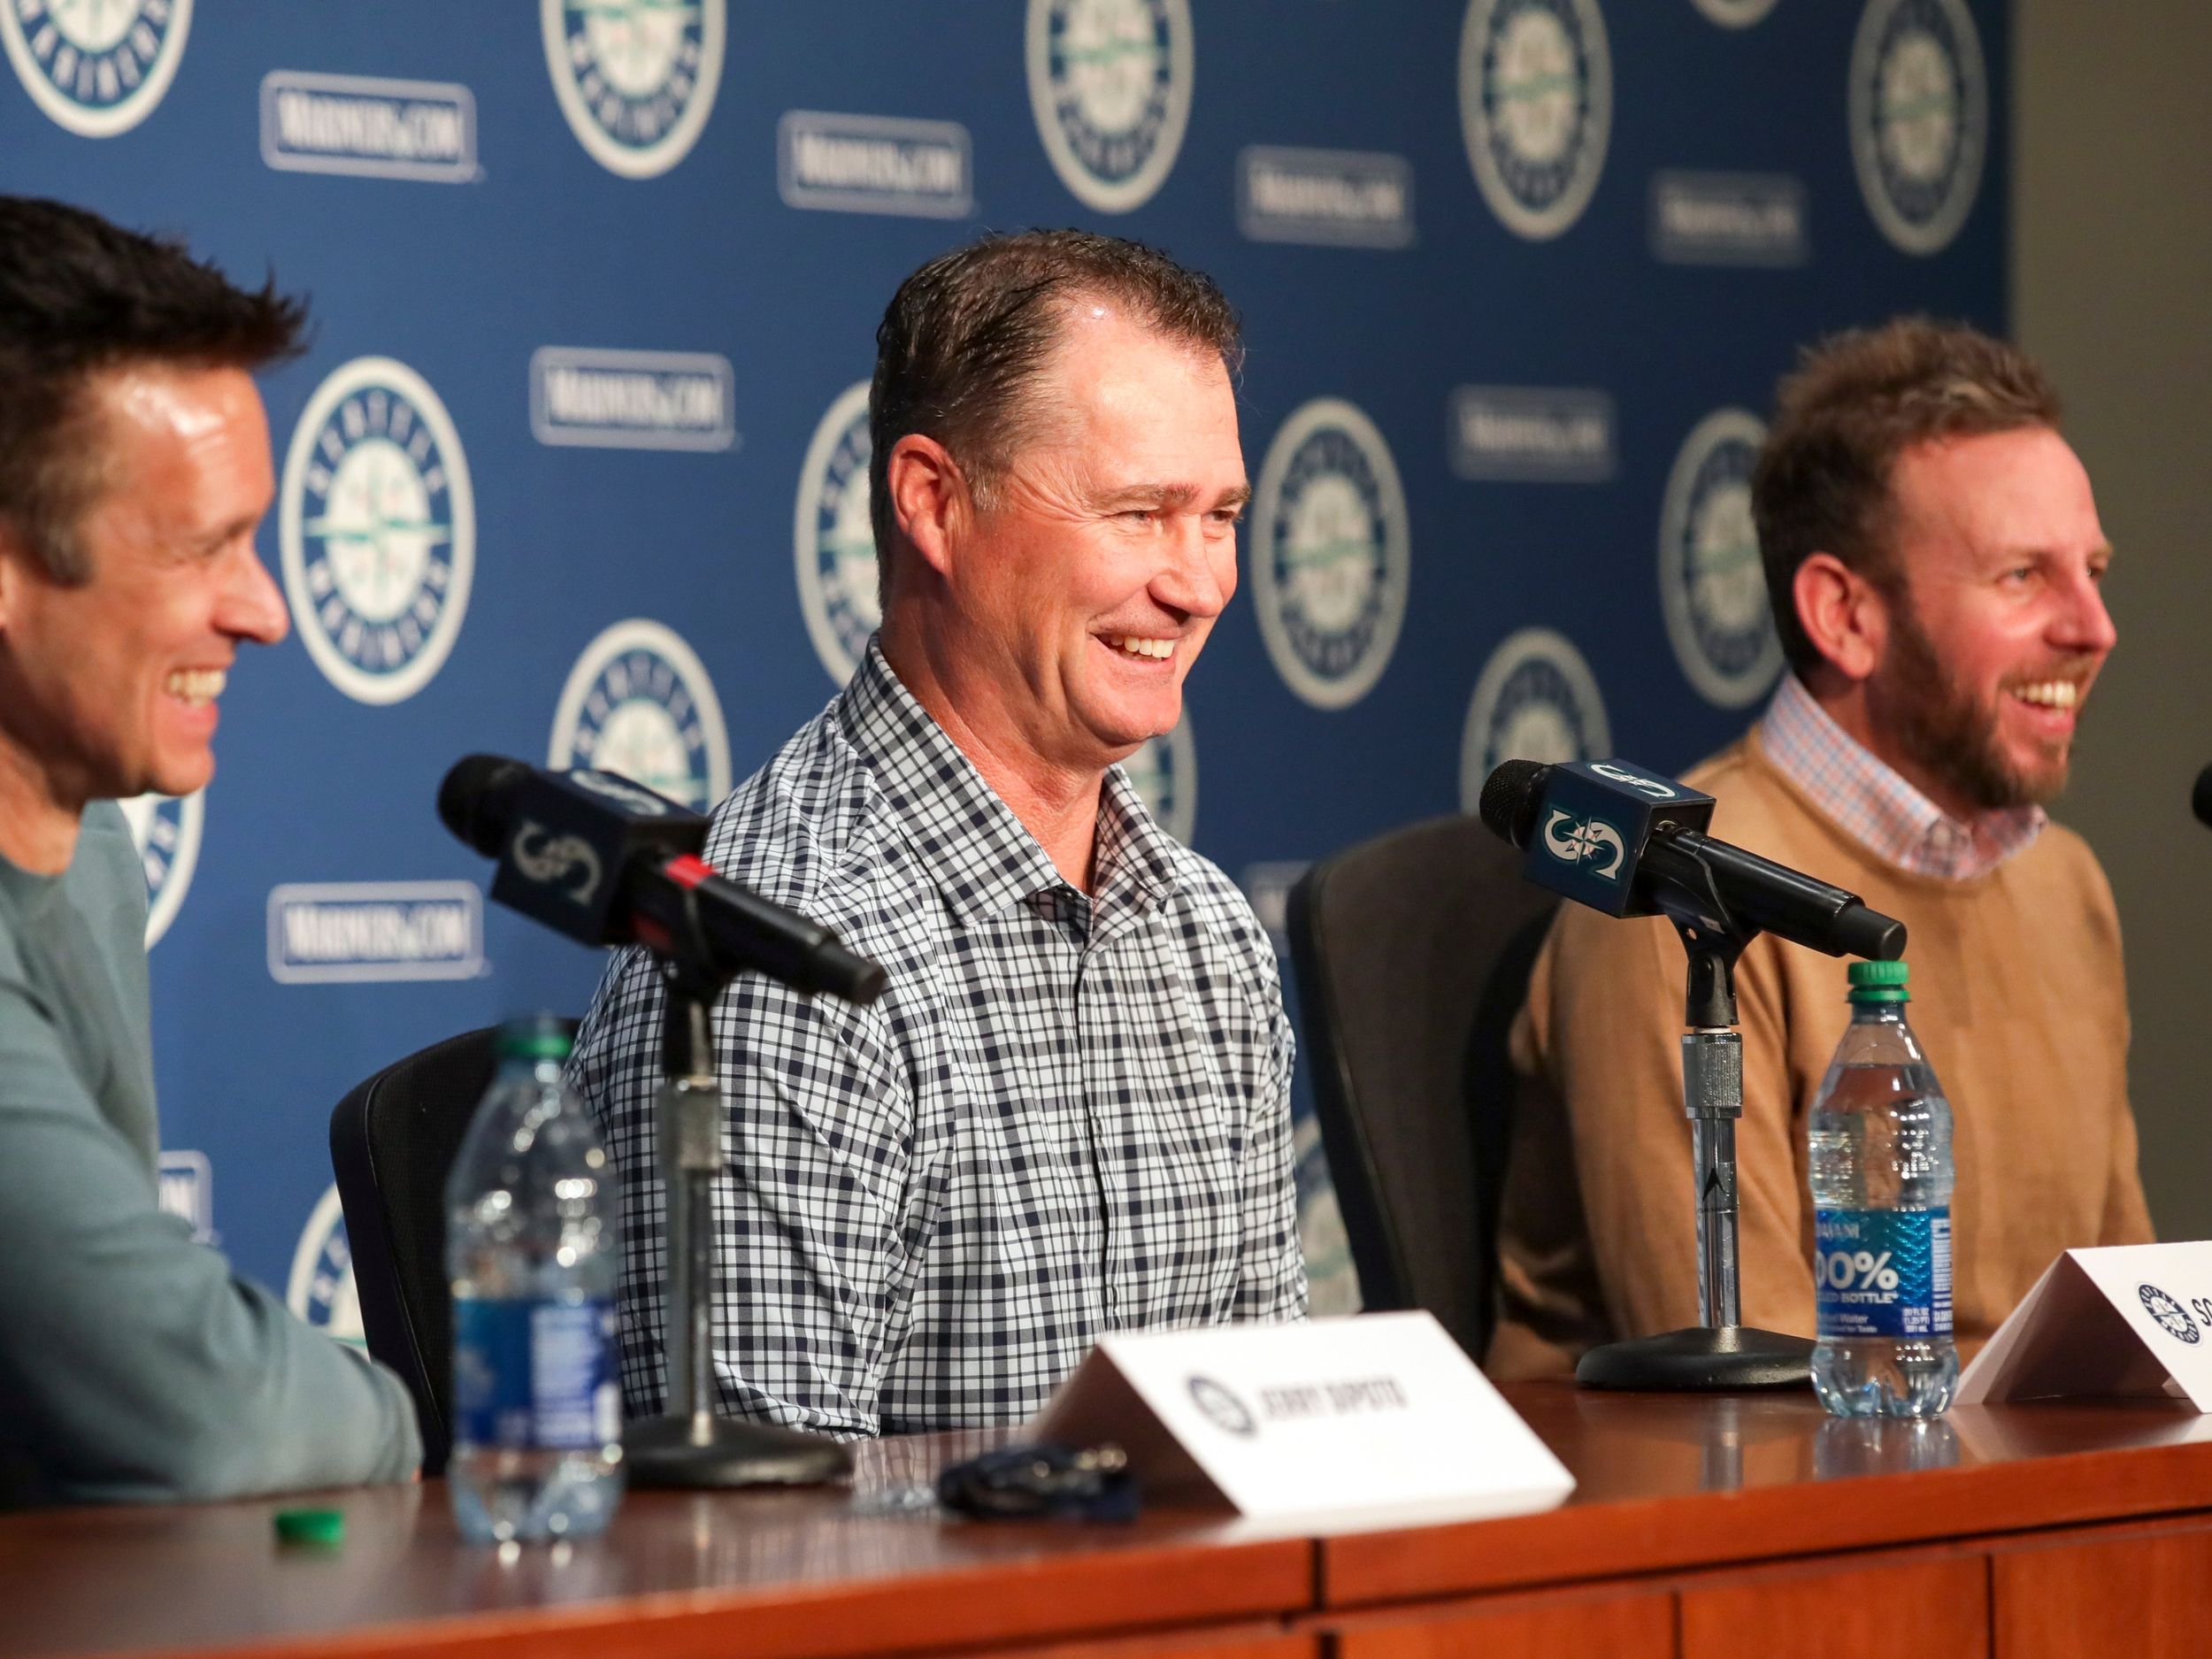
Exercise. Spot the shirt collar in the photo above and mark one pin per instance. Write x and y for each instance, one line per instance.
(1872, 803)
(980, 856)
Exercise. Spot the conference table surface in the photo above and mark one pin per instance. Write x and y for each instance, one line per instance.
(1666, 1484)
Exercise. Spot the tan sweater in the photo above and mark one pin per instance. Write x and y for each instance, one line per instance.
(2017, 999)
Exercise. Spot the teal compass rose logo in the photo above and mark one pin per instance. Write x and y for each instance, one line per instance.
(377, 525)
(1919, 118)
(636, 79)
(1110, 82)
(96, 67)
(1536, 108)
(639, 703)
(1712, 584)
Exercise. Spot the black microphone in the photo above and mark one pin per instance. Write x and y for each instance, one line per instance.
(1623, 840)
(2201, 797)
(607, 861)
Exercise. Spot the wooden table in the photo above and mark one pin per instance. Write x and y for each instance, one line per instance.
(1700, 1526)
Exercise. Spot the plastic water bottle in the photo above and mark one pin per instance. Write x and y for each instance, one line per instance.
(1880, 1142)
(531, 1252)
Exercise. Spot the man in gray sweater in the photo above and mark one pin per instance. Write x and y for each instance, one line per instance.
(134, 467)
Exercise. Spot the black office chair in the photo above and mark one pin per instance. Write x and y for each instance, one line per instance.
(392, 1140)
(1412, 952)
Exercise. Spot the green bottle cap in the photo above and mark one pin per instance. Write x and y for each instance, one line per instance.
(327, 1527)
(536, 1037)
(1879, 982)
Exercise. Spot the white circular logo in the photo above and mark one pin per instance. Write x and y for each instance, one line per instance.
(1536, 108)
(1110, 83)
(636, 79)
(1735, 15)
(1919, 118)
(376, 526)
(1330, 555)
(321, 1289)
(1711, 585)
(1536, 700)
(639, 703)
(832, 538)
(96, 66)
(166, 828)
(1164, 773)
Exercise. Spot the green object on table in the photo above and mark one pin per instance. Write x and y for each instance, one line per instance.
(311, 1526)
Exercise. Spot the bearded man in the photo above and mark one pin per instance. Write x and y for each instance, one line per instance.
(1935, 564)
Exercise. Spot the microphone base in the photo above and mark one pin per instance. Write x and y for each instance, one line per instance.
(662, 1451)
(1701, 1359)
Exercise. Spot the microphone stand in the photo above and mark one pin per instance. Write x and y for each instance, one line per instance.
(689, 1446)
(1719, 1352)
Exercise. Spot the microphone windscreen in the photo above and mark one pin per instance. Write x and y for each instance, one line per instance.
(476, 801)
(2201, 797)
(1508, 799)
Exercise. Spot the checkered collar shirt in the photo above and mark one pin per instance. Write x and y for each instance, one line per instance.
(1068, 1116)
(1874, 805)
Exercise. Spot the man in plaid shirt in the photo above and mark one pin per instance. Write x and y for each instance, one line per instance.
(1069, 1115)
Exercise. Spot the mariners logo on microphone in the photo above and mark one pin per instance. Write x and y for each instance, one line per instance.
(1585, 841)
(1164, 773)
(636, 79)
(1536, 108)
(321, 1289)
(1711, 586)
(97, 67)
(1329, 553)
(166, 829)
(1919, 118)
(831, 540)
(1110, 82)
(377, 525)
(1536, 700)
(639, 702)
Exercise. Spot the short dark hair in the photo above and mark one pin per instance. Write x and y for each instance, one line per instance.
(78, 295)
(964, 339)
(1856, 402)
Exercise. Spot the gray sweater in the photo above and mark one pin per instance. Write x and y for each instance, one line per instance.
(133, 1366)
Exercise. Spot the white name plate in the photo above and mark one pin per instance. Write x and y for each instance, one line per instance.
(1363, 1422)
(2124, 1319)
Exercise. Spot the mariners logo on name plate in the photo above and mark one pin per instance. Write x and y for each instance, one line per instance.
(1110, 83)
(1735, 15)
(1164, 773)
(639, 702)
(1330, 554)
(831, 540)
(636, 79)
(1536, 108)
(167, 829)
(97, 67)
(377, 525)
(1711, 585)
(321, 1289)
(1919, 118)
(1536, 700)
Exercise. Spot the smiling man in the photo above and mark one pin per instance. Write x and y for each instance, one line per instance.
(133, 470)
(1070, 1114)
(1935, 564)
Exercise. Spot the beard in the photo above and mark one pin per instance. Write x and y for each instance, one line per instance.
(1947, 730)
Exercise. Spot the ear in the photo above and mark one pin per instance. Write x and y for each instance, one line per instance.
(929, 499)
(1843, 613)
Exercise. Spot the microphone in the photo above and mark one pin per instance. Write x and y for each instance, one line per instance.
(606, 861)
(2201, 797)
(1621, 839)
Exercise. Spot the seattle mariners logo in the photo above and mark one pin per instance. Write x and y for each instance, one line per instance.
(1585, 841)
(832, 538)
(377, 525)
(1919, 118)
(96, 66)
(321, 1289)
(1536, 108)
(1110, 82)
(636, 79)
(1164, 774)
(1330, 555)
(1711, 585)
(639, 702)
(168, 830)
(1536, 700)
(1222, 1407)
(2172, 1317)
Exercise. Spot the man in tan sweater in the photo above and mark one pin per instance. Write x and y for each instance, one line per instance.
(1934, 557)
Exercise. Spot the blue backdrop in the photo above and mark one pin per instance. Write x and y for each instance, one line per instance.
(576, 466)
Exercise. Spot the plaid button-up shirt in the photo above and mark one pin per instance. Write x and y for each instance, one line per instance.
(1068, 1116)
(1876, 807)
